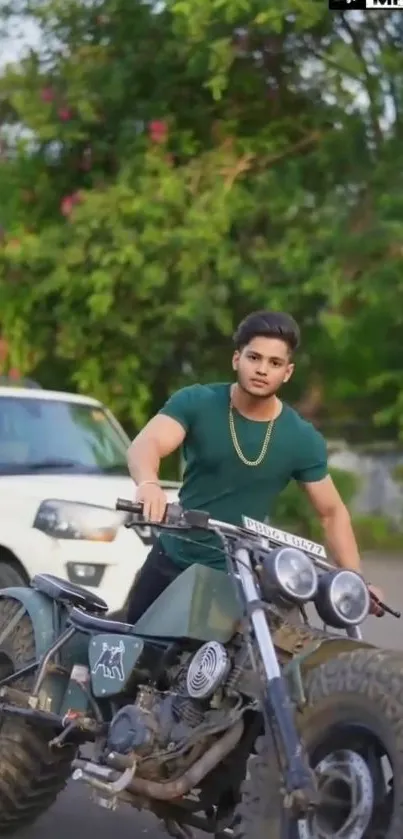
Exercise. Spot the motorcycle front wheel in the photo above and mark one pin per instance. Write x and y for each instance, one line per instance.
(352, 728)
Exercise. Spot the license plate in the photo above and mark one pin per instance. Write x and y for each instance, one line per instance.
(281, 537)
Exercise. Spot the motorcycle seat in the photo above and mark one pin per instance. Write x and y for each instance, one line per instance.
(68, 593)
(93, 624)
(85, 622)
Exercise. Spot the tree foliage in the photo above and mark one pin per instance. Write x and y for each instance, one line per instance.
(167, 168)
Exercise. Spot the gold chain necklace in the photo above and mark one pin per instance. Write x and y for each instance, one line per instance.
(237, 447)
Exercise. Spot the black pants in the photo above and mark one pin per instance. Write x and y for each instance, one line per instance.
(153, 578)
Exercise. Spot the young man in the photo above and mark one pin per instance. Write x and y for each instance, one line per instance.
(242, 446)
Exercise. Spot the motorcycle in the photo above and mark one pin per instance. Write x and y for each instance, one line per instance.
(222, 709)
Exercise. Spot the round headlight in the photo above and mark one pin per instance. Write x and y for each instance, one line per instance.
(291, 573)
(342, 599)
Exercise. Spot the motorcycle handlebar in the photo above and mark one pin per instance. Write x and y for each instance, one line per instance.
(176, 517)
(125, 506)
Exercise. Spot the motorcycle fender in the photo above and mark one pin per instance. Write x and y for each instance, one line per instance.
(112, 659)
(48, 622)
(40, 610)
(314, 655)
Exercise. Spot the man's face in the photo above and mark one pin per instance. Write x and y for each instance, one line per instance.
(263, 366)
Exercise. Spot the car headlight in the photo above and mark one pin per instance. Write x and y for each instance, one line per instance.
(290, 572)
(342, 599)
(72, 520)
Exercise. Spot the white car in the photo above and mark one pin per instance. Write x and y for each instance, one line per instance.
(62, 468)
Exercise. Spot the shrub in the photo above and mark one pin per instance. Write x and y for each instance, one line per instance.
(294, 512)
(377, 532)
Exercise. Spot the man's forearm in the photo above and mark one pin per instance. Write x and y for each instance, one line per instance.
(340, 539)
(143, 461)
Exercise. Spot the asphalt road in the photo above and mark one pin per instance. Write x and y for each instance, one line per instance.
(75, 816)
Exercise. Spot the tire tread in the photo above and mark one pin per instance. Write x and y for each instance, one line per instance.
(372, 675)
(31, 775)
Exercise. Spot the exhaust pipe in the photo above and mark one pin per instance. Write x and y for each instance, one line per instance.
(169, 790)
(165, 791)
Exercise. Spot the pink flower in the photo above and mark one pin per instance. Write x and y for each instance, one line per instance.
(64, 114)
(14, 373)
(47, 94)
(158, 131)
(68, 203)
(66, 206)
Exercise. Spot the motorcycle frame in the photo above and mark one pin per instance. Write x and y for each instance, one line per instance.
(276, 702)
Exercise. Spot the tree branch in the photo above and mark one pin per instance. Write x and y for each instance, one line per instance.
(369, 79)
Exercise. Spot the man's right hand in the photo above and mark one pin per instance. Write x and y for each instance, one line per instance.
(154, 501)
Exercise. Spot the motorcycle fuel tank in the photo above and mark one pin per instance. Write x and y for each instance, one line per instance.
(201, 604)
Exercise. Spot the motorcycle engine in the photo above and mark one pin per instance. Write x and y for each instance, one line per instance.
(157, 719)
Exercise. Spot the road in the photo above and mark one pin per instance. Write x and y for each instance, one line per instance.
(74, 814)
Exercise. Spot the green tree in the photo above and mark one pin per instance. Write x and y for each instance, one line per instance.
(179, 166)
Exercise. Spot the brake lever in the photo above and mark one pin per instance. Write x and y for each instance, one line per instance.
(385, 608)
(134, 522)
(175, 519)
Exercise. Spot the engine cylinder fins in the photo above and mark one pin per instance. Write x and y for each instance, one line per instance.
(208, 669)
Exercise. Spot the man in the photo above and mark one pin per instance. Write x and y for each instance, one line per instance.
(242, 446)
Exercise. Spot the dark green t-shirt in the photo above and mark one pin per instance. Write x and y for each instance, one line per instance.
(215, 478)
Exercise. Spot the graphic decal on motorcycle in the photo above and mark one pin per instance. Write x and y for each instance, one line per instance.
(281, 537)
(111, 661)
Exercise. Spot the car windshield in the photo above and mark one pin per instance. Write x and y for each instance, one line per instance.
(51, 435)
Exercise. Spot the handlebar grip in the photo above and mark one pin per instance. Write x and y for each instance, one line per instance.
(125, 506)
(174, 516)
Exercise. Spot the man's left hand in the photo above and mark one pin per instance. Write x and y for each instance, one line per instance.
(376, 609)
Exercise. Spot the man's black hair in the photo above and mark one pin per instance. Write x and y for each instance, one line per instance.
(267, 325)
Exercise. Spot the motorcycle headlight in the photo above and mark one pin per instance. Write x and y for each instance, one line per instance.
(290, 572)
(72, 520)
(342, 599)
